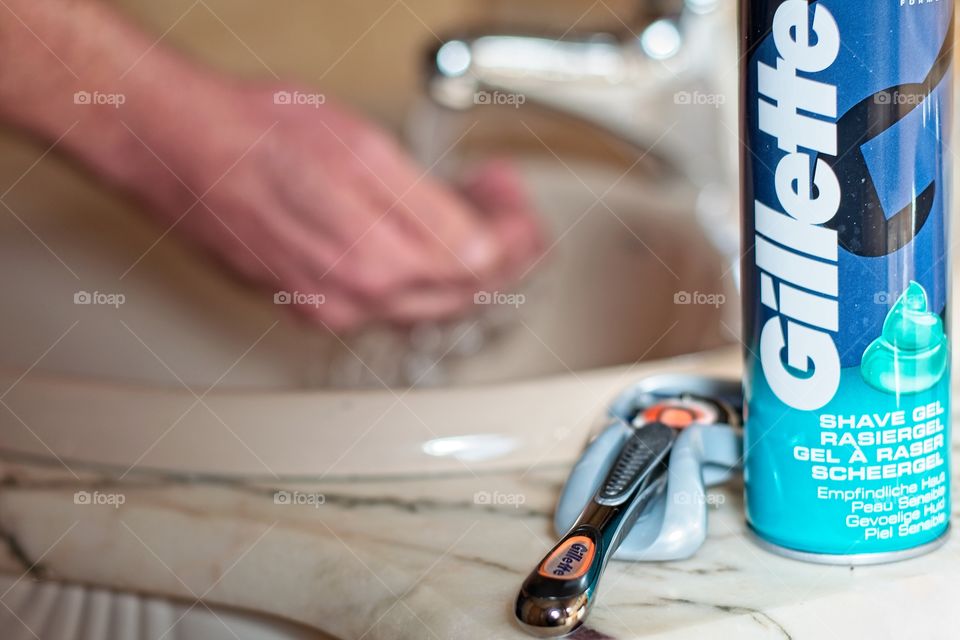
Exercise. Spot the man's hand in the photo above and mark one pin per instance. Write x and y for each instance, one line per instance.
(309, 198)
(294, 195)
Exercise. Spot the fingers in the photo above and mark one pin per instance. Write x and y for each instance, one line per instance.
(431, 304)
(461, 245)
(502, 209)
(354, 218)
(388, 271)
(446, 229)
(497, 191)
(395, 279)
(366, 269)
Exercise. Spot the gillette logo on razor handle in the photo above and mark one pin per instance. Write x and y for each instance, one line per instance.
(797, 257)
(570, 560)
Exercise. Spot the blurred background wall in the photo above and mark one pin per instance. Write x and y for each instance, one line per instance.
(369, 52)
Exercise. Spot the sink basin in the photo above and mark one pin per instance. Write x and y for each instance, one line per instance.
(603, 295)
(58, 611)
(193, 362)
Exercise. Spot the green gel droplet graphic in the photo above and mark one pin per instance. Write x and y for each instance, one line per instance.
(911, 353)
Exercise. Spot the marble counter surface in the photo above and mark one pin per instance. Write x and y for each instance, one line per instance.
(422, 555)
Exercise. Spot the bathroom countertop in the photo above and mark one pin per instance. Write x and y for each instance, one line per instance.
(423, 554)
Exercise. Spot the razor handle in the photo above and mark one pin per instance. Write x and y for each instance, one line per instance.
(557, 595)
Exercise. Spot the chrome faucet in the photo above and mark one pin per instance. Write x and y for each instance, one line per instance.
(664, 87)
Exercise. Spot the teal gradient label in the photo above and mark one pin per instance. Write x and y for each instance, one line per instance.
(867, 473)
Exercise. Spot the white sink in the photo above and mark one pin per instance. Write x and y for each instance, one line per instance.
(603, 295)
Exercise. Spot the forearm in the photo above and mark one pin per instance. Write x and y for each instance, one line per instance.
(75, 71)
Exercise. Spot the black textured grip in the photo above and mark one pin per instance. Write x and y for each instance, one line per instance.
(644, 448)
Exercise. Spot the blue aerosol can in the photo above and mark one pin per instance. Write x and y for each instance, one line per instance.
(846, 108)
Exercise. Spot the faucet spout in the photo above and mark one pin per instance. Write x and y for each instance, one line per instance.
(629, 84)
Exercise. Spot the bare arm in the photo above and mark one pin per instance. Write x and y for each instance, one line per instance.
(61, 52)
